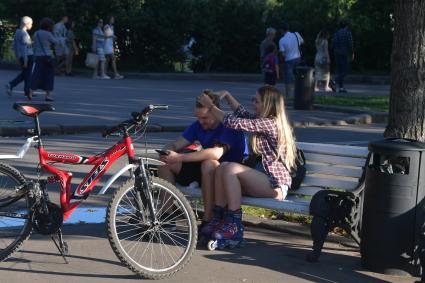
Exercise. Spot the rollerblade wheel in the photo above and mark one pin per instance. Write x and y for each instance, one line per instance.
(212, 245)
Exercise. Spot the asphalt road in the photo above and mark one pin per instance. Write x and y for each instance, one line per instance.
(84, 101)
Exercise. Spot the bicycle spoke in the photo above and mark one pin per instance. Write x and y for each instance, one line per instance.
(154, 247)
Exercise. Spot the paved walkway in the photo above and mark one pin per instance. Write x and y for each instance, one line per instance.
(85, 102)
(267, 257)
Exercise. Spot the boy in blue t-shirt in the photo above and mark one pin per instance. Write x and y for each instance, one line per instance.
(218, 143)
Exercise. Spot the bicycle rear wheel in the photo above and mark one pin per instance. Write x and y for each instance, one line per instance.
(152, 250)
(15, 214)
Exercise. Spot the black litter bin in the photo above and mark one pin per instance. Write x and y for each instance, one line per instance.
(304, 88)
(393, 207)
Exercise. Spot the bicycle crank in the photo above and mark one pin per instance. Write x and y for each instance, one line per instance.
(47, 222)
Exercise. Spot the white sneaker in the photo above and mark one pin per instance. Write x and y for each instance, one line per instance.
(118, 77)
(105, 77)
(284, 191)
(96, 77)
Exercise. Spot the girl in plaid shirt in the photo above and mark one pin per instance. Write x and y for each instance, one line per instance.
(272, 139)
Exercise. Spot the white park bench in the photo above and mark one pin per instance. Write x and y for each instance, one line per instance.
(330, 168)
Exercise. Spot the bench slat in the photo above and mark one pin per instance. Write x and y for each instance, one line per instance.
(330, 183)
(358, 162)
(333, 170)
(305, 190)
(331, 149)
(291, 204)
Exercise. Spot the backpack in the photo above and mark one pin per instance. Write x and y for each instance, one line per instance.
(269, 63)
(298, 171)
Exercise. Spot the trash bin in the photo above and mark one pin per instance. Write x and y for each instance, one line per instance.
(304, 88)
(393, 207)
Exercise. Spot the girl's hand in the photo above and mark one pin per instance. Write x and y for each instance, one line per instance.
(223, 94)
(171, 157)
(205, 101)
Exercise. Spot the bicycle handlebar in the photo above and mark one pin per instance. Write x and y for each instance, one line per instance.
(137, 118)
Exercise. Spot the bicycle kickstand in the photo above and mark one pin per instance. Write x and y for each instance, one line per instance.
(62, 246)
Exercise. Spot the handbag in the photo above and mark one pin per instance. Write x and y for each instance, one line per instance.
(298, 171)
(92, 60)
(302, 62)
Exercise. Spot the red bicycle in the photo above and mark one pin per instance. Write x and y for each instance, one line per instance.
(150, 224)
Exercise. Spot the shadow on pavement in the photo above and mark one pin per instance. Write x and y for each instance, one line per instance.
(285, 256)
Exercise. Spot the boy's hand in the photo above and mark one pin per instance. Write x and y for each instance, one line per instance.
(172, 157)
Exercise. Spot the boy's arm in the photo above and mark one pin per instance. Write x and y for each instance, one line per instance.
(213, 153)
(177, 145)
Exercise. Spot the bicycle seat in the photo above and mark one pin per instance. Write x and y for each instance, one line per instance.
(32, 109)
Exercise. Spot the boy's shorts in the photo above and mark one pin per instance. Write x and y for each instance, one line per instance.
(190, 172)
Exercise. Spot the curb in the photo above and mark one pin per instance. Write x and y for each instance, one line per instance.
(360, 117)
(238, 77)
(76, 129)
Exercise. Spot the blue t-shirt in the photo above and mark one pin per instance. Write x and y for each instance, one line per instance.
(236, 141)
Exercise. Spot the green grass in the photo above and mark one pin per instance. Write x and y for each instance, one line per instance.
(370, 103)
(272, 214)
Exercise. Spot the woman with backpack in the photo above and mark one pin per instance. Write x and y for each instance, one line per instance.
(271, 66)
(271, 139)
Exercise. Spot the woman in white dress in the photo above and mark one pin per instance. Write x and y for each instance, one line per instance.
(108, 30)
(322, 62)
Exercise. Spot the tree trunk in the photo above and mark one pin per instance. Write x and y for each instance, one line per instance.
(407, 99)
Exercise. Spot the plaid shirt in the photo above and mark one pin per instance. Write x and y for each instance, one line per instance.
(266, 131)
(342, 43)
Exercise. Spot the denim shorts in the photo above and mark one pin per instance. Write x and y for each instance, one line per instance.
(259, 167)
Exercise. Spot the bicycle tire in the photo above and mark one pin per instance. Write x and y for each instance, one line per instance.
(10, 178)
(122, 216)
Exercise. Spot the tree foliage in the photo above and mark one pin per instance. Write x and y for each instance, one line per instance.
(151, 33)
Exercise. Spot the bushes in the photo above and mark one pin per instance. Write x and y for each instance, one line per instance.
(151, 33)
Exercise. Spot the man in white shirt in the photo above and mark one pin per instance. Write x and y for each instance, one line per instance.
(289, 46)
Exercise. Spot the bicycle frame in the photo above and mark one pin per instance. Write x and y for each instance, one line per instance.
(69, 201)
(101, 163)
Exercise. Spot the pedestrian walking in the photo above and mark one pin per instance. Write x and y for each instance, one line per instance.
(71, 45)
(343, 51)
(264, 45)
(22, 46)
(61, 50)
(289, 46)
(322, 62)
(271, 66)
(98, 47)
(43, 72)
(109, 47)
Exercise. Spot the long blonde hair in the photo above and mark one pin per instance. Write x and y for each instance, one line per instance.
(274, 107)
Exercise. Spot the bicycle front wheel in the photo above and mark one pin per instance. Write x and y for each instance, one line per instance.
(152, 249)
(15, 214)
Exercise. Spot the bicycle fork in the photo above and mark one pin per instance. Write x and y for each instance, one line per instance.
(144, 194)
